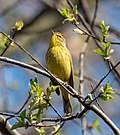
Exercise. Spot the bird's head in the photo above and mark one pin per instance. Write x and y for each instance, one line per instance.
(57, 39)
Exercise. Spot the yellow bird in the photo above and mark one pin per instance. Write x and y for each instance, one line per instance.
(59, 62)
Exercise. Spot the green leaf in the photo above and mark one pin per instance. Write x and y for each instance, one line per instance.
(30, 117)
(39, 116)
(106, 92)
(39, 92)
(5, 41)
(104, 28)
(105, 51)
(99, 51)
(36, 80)
(65, 12)
(75, 10)
(53, 88)
(23, 115)
(50, 91)
(108, 44)
(31, 104)
(17, 125)
(41, 130)
(33, 85)
(18, 119)
(19, 25)
(71, 17)
(95, 124)
(105, 45)
(98, 128)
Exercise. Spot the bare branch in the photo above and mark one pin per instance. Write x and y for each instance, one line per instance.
(81, 85)
(54, 109)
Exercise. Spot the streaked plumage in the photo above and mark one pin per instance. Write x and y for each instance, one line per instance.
(59, 62)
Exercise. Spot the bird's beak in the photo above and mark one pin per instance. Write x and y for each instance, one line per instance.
(52, 31)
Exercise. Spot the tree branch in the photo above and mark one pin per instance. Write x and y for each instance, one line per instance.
(5, 128)
(105, 118)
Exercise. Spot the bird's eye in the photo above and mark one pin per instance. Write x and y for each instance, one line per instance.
(59, 36)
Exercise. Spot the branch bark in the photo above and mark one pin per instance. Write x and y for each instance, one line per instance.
(5, 128)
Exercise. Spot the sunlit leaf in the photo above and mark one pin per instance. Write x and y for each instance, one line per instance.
(65, 12)
(75, 10)
(99, 51)
(95, 124)
(106, 92)
(69, 16)
(23, 115)
(104, 28)
(41, 130)
(17, 125)
(19, 25)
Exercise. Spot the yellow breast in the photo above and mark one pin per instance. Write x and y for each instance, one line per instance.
(58, 60)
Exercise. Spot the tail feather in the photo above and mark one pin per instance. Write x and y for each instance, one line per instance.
(67, 106)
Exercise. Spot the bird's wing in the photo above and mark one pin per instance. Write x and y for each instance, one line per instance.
(71, 81)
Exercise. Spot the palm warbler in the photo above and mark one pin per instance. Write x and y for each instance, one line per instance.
(59, 62)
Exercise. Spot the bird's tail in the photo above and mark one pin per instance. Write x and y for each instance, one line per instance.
(67, 106)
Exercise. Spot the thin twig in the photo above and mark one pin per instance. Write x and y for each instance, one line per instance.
(59, 128)
(103, 78)
(95, 82)
(7, 114)
(95, 14)
(56, 111)
(84, 6)
(44, 124)
(117, 73)
(20, 108)
(96, 98)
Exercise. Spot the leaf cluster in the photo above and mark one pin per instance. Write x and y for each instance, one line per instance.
(5, 41)
(106, 92)
(69, 15)
(105, 50)
(37, 105)
(95, 125)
